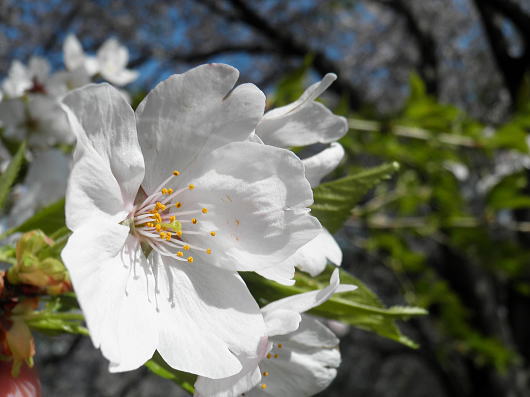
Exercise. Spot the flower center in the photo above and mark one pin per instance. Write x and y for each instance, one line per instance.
(162, 222)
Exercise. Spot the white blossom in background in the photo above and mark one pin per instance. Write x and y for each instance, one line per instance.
(44, 183)
(299, 358)
(38, 118)
(302, 123)
(110, 61)
(30, 110)
(21, 78)
(166, 205)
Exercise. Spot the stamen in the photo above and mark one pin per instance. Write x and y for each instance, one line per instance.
(204, 210)
(212, 234)
(208, 251)
(176, 173)
(265, 373)
(190, 259)
(194, 221)
(180, 253)
(191, 186)
(178, 204)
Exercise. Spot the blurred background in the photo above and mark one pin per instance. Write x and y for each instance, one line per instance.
(441, 86)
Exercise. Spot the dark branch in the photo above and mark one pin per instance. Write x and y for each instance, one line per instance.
(287, 45)
(428, 67)
(512, 69)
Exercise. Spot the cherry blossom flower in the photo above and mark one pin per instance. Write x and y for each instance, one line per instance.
(299, 358)
(21, 78)
(302, 123)
(37, 118)
(166, 204)
(110, 61)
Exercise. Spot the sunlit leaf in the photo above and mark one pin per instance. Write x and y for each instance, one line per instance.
(333, 201)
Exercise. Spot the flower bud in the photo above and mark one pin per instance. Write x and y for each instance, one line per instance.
(35, 268)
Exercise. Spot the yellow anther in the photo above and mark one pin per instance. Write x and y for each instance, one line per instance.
(190, 259)
(180, 253)
(204, 210)
(157, 217)
(172, 218)
(269, 356)
(150, 224)
(178, 204)
(179, 234)
(280, 345)
(191, 186)
(263, 386)
(163, 191)
(158, 227)
(176, 173)
(194, 221)
(162, 235)
(169, 191)
(265, 373)
(186, 247)
(208, 251)
(212, 234)
(276, 356)
(168, 236)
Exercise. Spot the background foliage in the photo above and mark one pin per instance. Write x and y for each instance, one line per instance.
(439, 87)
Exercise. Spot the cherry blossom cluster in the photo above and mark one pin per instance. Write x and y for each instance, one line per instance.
(167, 203)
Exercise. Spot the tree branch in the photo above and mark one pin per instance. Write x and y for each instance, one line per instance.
(287, 45)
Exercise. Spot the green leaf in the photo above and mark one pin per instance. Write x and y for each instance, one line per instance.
(335, 200)
(158, 366)
(360, 308)
(10, 175)
(49, 219)
(53, 323)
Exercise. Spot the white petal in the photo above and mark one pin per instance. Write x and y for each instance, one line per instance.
(39, 68)
(188, 115)
(313, 257)
(206, 316)
(309, 95)
(235, 385)
(282, 274)
(112, 284)
(122, 77)
(306, 363)
(112, 55)
(50, 122)
(18, 80)
(105, 127)
(256, 197)
(308, 300)
(74, 56)
(13, 117)
(321, 164)
(281, 321)
(92, 189)
(63, 81)
(303, 122)
(44, 184)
